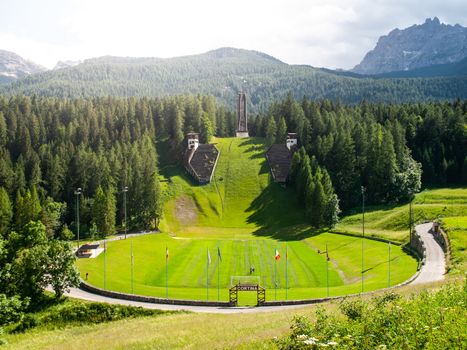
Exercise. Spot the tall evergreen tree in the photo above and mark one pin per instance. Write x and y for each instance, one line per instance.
(271, 131)
(281, 131)
(6, 212)
(104, 209)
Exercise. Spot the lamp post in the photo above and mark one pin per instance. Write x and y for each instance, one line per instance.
(410, 220)
(125, 190)
(77, 194)
(363, 232)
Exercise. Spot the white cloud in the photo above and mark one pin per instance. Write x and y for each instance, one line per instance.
(328, 33)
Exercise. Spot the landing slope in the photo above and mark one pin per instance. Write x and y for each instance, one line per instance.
(240, 199)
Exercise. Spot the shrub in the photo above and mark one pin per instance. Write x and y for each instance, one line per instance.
(26, 323)
(95, 313)
(430, 320)
(11, 309)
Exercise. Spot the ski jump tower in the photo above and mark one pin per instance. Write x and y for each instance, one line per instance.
(242, 130)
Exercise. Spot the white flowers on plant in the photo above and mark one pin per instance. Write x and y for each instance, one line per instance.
(310, 341)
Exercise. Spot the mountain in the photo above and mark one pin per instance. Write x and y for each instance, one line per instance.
(436, 70)
(13, 66)
(224, 72)
(66, 64)
(431, 43)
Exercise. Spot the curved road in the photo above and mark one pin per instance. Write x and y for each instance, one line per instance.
(432, 271)
(435, 264)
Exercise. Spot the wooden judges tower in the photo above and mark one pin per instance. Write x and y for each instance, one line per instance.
(242, 130)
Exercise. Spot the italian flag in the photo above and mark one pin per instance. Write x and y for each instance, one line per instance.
(277, 255)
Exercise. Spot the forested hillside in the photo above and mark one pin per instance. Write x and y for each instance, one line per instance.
(224, 72)
(382, 147)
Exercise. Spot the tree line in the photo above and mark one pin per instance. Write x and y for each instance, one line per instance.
(53, 146)
(389, 149)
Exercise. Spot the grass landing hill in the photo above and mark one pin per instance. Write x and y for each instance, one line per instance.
(246, 216)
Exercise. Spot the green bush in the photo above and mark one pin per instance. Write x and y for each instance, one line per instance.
(95, 313)
(430, 320)
(11, 309)
(26, 323)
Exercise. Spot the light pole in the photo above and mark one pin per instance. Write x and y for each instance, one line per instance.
(410, 219)
(125, 190)
(363, 230)
(77, 194)
(327, 271)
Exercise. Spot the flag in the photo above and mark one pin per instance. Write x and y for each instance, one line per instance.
(166, 253)
(219, 254)
(277, 255)
(209, 258)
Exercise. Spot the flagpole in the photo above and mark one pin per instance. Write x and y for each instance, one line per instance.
(218, 275)
(275, 280)
(105, 252)
(327, 271)
(166, 272)
(207, 273)
(286, 274)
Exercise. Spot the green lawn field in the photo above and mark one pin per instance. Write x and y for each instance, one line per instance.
(456, 229)
(246, 216)
(189, 271)
(392, 222)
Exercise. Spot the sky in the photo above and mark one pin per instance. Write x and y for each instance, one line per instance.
(321, 33)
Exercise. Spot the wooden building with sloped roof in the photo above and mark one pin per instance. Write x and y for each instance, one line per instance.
(200, 160)
(279, 157)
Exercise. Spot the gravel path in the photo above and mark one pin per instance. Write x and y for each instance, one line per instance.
(435, 264)
(432, 271)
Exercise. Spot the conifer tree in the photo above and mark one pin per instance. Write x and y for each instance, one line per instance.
(271, 131)
(281, 131)
(104, 209)
(207, 130)
(6, 212)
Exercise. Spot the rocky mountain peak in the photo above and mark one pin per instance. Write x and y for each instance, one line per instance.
(417, 46)
(13, 66)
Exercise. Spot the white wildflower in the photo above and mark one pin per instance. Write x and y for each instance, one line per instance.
(311, 341)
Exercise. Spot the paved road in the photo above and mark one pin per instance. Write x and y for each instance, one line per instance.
(432, 271)
(82, 294)
(435, 264)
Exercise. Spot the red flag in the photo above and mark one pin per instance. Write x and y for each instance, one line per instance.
(277, 256)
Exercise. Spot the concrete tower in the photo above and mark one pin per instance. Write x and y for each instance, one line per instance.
(242, 129)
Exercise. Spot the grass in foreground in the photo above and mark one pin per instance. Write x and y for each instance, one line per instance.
(430, 320)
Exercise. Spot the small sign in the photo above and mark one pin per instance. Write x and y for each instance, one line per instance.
(247, 288)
